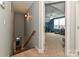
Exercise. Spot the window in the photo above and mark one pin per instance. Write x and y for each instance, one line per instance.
(59, 23)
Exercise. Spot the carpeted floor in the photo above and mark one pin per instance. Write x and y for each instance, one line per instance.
(53, 47)
(54, 44)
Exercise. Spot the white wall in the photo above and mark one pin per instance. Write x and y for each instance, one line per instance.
(70, 17)
(73, 18)
(6, 29)
(29, 28)
(38, 17)
(32, 25)
(77, 28)
(35, 24)
(19, 24)
(70, 27)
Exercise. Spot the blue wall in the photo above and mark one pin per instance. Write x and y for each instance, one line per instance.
(49, 26)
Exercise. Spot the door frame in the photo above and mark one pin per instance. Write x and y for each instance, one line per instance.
(67, 30)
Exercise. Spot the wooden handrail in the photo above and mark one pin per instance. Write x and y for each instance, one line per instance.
(29, 38)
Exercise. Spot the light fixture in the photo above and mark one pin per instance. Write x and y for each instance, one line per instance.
(2, 4)
(28, 17)
(25, 15)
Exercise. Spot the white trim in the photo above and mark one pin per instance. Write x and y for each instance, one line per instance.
(41, 27)
(67, 33)
(68, 50)
(70, 53)
(39, 50)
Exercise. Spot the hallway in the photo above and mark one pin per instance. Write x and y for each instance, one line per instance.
(53, 48)
(24, 22)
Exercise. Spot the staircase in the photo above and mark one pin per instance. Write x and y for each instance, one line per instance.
(23, 48)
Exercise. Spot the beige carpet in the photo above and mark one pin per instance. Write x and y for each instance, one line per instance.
(53, 47)
(54, 44)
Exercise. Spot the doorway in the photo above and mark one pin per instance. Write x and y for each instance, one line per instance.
(55, 28)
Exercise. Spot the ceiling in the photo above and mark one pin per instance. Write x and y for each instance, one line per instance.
(21, 6)
(53, 10)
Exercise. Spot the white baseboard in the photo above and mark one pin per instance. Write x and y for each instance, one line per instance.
(71, 53)
(39, 50)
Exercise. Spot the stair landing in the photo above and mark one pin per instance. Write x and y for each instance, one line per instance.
(29, 53)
